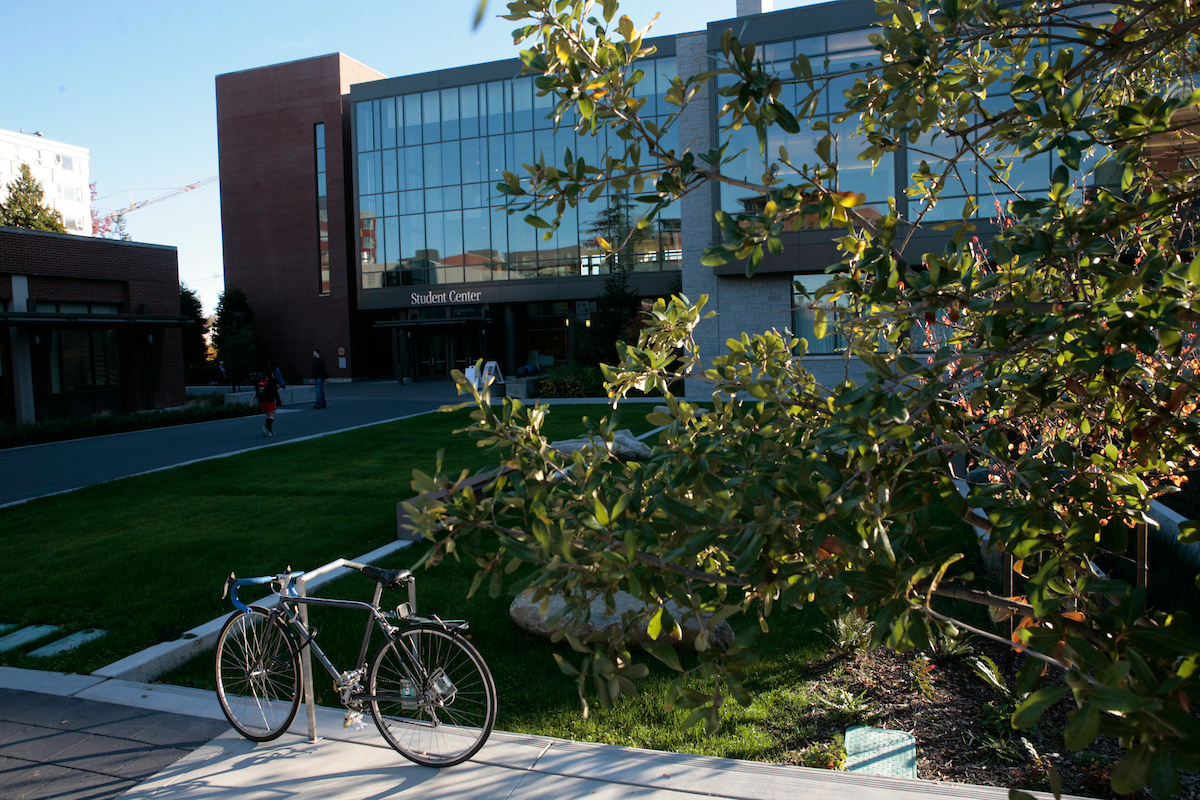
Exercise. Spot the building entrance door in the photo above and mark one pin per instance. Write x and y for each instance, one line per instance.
(432, 357)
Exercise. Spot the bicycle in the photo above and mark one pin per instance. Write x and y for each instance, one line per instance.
(427, 688)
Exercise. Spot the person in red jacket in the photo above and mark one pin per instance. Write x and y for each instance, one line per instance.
(267, 393)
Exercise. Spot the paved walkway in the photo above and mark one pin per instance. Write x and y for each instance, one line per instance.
(44, 469)
(55, 746)
(345, 764)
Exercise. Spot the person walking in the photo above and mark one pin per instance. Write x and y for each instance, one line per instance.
(319, 374)
(267, 392)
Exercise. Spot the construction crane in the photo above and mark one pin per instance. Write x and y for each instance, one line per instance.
(134, 206)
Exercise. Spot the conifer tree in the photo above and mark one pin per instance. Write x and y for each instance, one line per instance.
(23, 207)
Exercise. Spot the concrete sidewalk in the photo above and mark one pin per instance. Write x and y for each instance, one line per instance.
(345, 764)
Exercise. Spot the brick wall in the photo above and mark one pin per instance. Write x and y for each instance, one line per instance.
(135, 276)
(265, 137)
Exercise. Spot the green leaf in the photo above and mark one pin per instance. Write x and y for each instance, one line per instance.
(1083, 727)
(1132, 772)
(1032, 708)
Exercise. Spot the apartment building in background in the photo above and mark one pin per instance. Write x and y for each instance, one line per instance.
(62, 170)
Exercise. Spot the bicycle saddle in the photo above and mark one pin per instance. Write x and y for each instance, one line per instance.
(391, 578)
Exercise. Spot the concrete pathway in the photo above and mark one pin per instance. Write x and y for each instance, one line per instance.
(345, 764)
(68, 747)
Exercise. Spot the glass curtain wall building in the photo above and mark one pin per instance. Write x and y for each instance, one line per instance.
(443, 264)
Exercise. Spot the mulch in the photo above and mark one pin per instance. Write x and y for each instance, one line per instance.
(962, 725)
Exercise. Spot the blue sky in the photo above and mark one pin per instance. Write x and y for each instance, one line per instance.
(133, 82)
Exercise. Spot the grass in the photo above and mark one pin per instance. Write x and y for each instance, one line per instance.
(145, 558)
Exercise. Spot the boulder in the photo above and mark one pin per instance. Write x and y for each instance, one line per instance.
(528, 617)
(625, 445)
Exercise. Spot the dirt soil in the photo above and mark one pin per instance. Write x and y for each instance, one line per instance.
(962, 729)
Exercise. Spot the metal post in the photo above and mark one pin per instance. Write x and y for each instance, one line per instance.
(1143, 546)
(306, 669)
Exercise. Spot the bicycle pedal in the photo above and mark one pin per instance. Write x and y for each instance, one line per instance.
(354, 720)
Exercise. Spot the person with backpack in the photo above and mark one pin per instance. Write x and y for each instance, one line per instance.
(266, 391)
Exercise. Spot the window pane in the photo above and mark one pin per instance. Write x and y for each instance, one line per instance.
(804, 317)
(474, 160)
(365, 128)
(370, 174)
(449, 114)
(495, 108)
(522, 104)
(389, 171)
(451, 163)
(411, 175)
(412, 202)
(389, 123)
(431, 116)
(433, 165)
(469, 99)
(496, 163)
(412, 119)
(412, 237)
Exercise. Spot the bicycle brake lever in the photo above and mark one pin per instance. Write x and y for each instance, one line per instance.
(228, 582)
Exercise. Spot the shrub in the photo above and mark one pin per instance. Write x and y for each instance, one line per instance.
(572, 380)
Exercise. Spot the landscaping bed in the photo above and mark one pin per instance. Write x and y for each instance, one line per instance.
(59, 430)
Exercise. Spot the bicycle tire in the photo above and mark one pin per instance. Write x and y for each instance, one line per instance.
(432, 696)
(257, 669)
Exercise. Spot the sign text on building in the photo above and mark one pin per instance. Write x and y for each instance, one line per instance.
(434, 298)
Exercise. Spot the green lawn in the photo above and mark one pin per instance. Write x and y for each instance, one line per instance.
(145, 558)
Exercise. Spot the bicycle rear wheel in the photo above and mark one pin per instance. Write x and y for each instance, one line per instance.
(432, 696)
(258, 674)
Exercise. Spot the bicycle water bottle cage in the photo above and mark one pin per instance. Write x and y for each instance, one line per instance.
(390, 578)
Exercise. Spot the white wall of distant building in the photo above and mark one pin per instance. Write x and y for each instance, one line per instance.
(62, 170)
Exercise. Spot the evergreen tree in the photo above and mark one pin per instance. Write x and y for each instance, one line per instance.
(235, 336)
(617, 310)
(195, 348)
(23, 208)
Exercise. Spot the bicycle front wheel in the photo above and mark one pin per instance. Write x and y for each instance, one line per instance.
(432, 696)
(258, 674)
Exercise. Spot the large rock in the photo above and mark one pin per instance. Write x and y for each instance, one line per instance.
(528, 617)
(625, 445)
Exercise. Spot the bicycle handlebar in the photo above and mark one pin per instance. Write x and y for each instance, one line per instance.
(232, 583)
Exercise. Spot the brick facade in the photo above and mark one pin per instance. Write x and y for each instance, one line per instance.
(266, 120)
(137, 278)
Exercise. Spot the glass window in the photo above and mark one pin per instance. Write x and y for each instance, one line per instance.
(543, 109)
(412, 202)
(433, 200)
(391, 204)
(391, 242)
(804, 316)
(389, 171)
(432, 117)
(474, 160)
(664, 70)
(370, 173)
(366, 127)
(850, 40)
(412, 237)
(411, 168)
(390, 125)
(450, 114)
(495, 108)
(451, 163)
(522, 104)
(496, 162)
(469, 115)
(433, 165)
(412, 119)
